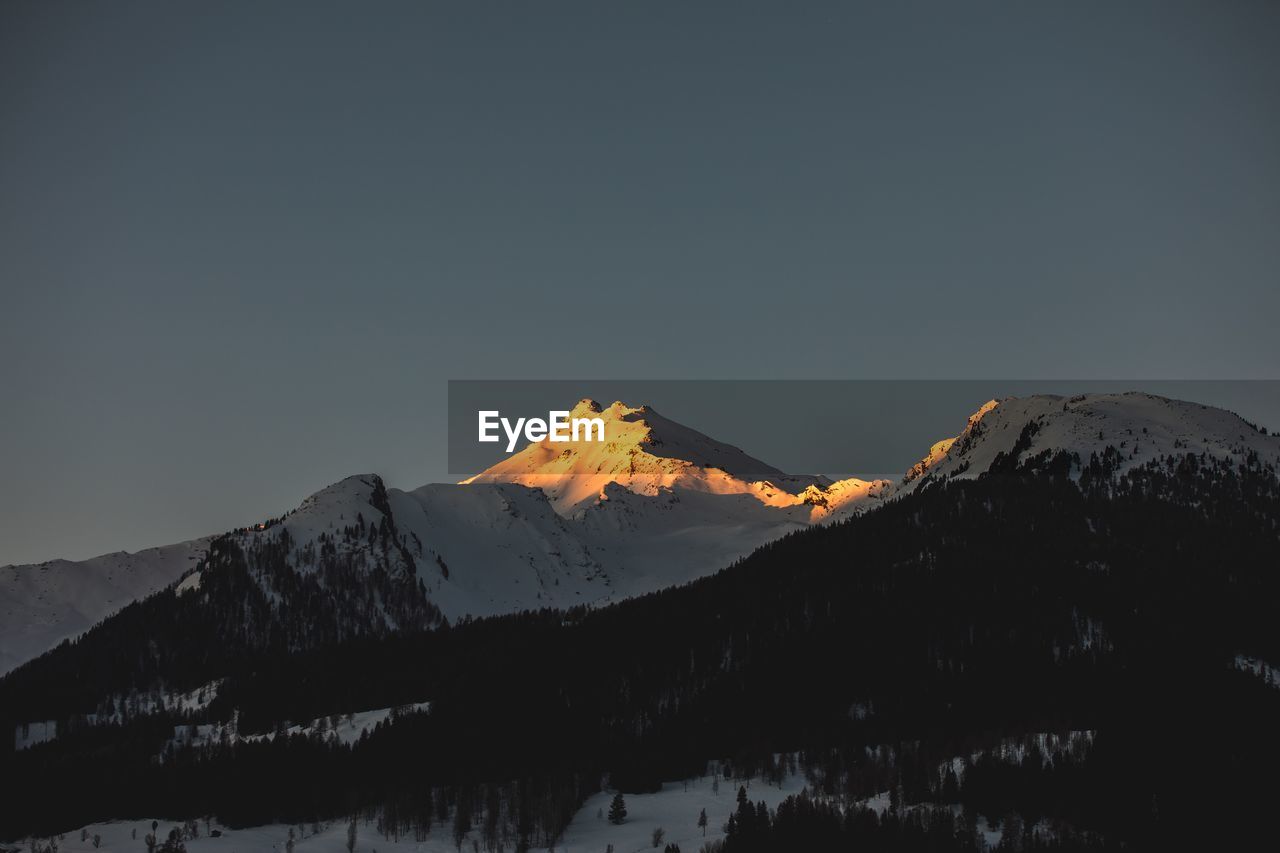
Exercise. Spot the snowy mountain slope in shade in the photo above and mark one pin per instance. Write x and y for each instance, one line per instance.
(42, 604)
(477, 550)
(345, 729)
(500, 547)
(658, 505)
(1138, 427)
(120, 707)
(359, 500)
(650, 542)
(633, 516)
(674, 807)
(488, 547)
(491, 548)
(655, 505)
(496, 548)
(585, 524)
(118, 836)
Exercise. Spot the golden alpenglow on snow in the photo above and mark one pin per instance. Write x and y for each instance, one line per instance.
(649, 454)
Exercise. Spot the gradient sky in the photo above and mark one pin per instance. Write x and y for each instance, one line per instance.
(244, 245)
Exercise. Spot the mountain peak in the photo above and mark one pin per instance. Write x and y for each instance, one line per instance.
(586, 407)
(1134, 427)
(645, 452)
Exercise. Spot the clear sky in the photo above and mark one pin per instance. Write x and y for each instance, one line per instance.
(243, 245)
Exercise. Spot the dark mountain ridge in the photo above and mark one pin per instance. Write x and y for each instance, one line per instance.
(1052, 594)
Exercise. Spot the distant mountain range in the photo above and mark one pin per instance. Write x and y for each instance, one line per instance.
(1055, 631)
(561, 525)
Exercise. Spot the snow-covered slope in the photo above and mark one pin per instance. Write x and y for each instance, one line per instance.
(559, 525)
(675, 807)
(45, 603)
(658, 504)
(493, 547)
(1138, 428)
(554, 526)
(345, 729)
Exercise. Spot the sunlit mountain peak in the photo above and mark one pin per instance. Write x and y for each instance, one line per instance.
(647, 452)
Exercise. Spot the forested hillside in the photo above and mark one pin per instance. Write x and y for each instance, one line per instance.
(969, 612)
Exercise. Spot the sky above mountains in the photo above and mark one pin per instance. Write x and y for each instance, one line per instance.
(243, 246)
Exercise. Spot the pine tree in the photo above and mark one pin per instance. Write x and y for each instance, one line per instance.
(617, 809)
(1011, 835)
(702, 822)
(746, 812)
(174, 843)
(461, 818)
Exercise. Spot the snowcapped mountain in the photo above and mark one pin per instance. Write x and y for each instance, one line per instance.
(946, 586)
(646, 452)
(1131, 429)
(658, 505)
(557, 525)
(43, 604)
